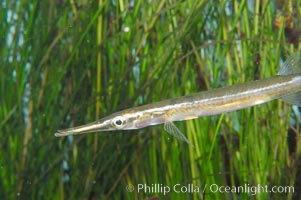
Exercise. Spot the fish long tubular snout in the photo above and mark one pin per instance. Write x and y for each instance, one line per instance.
(88, 128)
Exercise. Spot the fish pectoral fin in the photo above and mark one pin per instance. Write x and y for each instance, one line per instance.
(171, 128)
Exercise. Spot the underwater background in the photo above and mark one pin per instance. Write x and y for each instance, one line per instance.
(66, 63)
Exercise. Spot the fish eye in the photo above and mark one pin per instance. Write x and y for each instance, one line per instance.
(119, 122)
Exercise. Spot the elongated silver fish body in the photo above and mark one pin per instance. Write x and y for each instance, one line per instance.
(285, 85)
(232, 98)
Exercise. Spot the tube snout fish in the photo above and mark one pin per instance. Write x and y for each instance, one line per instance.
(286, 85)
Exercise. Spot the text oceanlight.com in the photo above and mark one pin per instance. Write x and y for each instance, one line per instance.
(213, 188)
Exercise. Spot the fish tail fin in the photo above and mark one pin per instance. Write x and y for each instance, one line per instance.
(292, 66)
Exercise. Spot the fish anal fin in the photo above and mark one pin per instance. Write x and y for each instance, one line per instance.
(293, 99)
(171, 128)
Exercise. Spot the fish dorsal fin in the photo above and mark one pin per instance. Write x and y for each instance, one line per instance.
(171, 128)
(292, 65)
